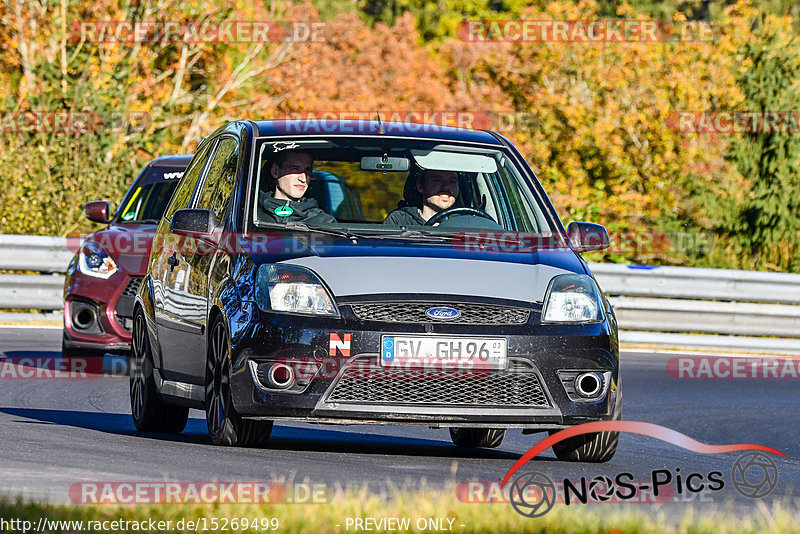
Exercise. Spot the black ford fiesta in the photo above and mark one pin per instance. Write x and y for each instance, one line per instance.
(435, 287)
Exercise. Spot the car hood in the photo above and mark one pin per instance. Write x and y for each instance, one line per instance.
(129, 245)
(380, 266)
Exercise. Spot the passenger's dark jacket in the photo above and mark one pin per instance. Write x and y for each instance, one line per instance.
(405, 216)
(305, 210)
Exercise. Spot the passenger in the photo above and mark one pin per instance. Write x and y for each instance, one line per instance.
(291, 171)
(438, 191)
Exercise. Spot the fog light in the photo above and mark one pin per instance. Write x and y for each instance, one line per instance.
(280, 376)
(85, 317)
(589, 385)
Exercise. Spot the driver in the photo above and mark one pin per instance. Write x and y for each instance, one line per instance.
(291, 171)
(439, 190)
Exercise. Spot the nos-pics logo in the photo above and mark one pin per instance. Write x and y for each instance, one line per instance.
(533, 494)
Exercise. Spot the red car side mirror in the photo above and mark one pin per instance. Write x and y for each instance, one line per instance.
(97, 211)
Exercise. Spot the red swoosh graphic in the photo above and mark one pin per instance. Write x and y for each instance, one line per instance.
(634, 427)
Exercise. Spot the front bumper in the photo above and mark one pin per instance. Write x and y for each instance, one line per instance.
(108, 307)
(348, 386)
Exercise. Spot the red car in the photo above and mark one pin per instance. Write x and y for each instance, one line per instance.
(103, 277)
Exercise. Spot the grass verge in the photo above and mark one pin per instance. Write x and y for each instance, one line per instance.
(418, 507)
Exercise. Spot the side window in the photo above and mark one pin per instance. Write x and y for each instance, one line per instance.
(220, 179)
(183, 194)
(336, 194)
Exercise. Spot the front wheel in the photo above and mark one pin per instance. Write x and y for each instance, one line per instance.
(596, 447)
(477, 437)
(224, 424)
(150, 412)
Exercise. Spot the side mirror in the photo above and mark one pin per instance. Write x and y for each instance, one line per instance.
(588, 236)
(200, 224)
(97, 211)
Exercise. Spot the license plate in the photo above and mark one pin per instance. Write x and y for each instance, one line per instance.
(459, 352)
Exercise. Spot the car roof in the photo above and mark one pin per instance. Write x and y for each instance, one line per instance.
(163, 169)
(356, 127)
(172, 160)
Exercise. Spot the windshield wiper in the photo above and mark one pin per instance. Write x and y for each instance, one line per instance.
(141, 221)
(418, 234)
(405, 234)
(303, 227)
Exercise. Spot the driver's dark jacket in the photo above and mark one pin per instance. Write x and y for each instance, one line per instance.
(305, 210)
(405, 216)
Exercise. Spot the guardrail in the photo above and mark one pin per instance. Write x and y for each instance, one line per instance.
(646, 299)
(714, 301)
(43, 254)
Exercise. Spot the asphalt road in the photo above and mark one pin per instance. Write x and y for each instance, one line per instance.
(56, 433)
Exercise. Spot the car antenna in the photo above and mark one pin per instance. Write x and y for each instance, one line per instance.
(381, 131)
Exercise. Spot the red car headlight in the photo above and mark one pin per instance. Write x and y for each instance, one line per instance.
(94, 261)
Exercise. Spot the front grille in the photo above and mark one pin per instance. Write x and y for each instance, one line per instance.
(414, 312)
(133, 286)
(490, 389)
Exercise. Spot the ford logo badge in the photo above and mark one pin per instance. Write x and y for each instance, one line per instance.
(442, 313)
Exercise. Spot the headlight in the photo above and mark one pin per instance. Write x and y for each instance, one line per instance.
(292, 289)
(572, 298)
(95, 261)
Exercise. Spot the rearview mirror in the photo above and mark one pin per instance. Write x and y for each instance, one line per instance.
(97, 211)
(588, 236)
(200, 224)
(384, 163)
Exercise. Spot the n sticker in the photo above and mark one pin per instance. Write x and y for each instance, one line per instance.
(339, 344)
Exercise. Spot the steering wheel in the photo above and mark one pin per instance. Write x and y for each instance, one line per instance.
(463, 210)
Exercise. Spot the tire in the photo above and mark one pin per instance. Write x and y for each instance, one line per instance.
(150, 412)
(477, 437)
(597, 447)
(224, 424)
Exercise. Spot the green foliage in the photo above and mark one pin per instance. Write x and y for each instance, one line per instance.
(451, 502)
(765, 221)
(330, 9)
(437, 20)
(696, 9)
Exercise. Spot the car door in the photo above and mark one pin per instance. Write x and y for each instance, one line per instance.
(213, 193)
(169, 271)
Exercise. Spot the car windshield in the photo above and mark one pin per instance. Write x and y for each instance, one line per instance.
(147, 200)
(392, 186)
